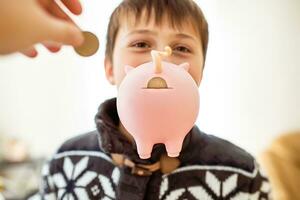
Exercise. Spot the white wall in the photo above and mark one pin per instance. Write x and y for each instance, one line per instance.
(249, 93)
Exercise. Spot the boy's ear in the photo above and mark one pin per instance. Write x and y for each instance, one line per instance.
(185, 66)
(109, 72)
(128, 68)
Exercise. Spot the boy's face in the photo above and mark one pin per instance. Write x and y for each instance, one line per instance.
(134, 43)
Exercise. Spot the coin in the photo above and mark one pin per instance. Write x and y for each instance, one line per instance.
(157, 83)
(90, 45)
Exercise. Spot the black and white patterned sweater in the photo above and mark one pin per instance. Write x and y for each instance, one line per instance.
(211, 168)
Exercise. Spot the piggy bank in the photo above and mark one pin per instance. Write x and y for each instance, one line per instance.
(158, 102)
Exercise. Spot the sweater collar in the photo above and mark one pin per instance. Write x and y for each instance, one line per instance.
(113, 141)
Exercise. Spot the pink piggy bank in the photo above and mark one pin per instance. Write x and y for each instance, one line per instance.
(158, 102)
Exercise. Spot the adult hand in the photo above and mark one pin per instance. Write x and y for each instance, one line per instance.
(24, 23)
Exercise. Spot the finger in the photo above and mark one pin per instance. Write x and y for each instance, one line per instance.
(62, 32)
(56, 11)
(52, 46)
(73, 5)
(30, 52)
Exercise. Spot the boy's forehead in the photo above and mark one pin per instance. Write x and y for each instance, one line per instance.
(129, 24)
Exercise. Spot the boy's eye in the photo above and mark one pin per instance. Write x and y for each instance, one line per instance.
(182, 49)
(141, 45)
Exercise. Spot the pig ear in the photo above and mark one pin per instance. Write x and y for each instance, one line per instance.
(185, 66)
(128, 68)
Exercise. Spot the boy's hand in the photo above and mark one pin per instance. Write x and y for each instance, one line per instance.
(24, 23)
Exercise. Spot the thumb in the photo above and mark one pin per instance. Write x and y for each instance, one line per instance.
(61, 31)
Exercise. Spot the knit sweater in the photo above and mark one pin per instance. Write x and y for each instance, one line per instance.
(210, 168)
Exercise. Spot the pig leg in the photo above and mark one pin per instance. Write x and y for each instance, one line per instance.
(144, 149)
(174, 147)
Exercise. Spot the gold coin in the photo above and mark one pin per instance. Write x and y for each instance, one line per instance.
(157, 83)
(90, 45)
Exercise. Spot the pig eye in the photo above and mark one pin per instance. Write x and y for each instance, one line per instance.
(141, 45)
(182, 49)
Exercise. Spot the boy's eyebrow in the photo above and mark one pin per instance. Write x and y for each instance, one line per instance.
(185, 36)
(142, 31)
(146, 31)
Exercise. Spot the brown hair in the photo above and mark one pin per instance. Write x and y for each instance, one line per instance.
(177, 12)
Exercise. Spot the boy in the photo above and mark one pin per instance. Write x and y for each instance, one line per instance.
(104, 164)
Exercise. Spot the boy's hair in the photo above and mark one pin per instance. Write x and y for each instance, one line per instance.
(177, 12)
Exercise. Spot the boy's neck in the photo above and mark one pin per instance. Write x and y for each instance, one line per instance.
(125, 133)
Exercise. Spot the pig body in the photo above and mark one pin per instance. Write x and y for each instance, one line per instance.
(158, 115)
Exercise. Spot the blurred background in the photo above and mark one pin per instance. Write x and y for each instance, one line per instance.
(249, 94)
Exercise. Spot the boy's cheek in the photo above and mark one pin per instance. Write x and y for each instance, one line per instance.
(197, 76)
(119, 75)
(136, 58)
